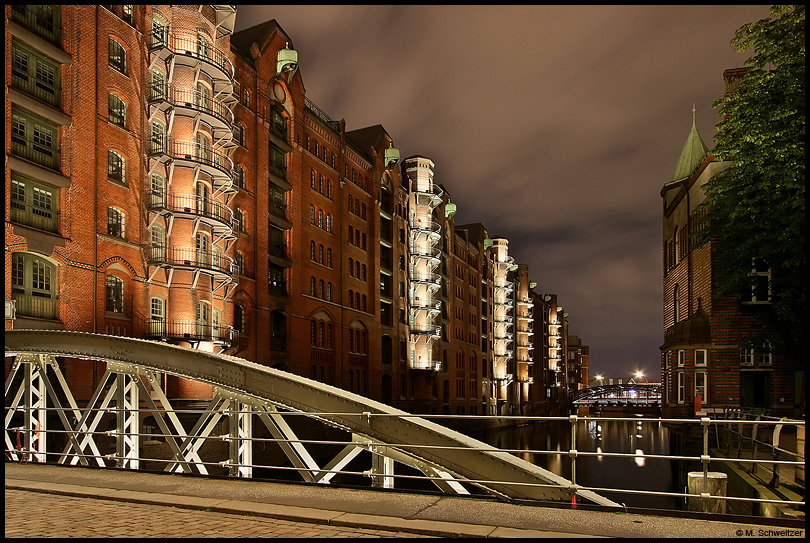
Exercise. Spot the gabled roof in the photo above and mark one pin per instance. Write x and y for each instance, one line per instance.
(366, 138)
(693, 154)
(259, 34)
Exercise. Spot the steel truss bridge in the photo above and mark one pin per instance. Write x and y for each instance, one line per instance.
(620, 394)
(245, 393)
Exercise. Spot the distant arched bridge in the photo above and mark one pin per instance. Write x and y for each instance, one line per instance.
(620, 394)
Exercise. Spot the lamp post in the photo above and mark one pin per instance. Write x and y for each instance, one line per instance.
(638, 375)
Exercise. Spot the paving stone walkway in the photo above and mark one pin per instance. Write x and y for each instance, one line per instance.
(35, 514)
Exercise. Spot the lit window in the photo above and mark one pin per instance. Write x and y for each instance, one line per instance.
(117, 110)
(118, 56)
(115, 294)
(116, 222)
(116, 167)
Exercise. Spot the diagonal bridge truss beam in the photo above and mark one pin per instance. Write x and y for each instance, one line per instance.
(245, 393)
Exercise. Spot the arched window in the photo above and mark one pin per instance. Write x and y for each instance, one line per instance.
(676, 303)
(329, 222)
(311, 214)
(239, 318)
(117, 110)
(116, 222)
(312, 286)
(116, 167)
(312, 251)
(117, 56)
(203, 246)
(157, 316)
(203, 320)
(115, 294)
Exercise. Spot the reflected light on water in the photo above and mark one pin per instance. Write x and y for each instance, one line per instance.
(639, 457)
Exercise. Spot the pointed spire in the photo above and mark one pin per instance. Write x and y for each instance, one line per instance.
(692, 155)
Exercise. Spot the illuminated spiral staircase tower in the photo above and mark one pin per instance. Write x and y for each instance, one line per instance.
(425, 234)
(190, 127)
(503, 307)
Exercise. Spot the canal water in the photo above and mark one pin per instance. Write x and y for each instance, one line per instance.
(640, 438)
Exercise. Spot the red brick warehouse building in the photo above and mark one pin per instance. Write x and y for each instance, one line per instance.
(168, 179)
(714, 347)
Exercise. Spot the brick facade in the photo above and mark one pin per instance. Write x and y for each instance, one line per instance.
(199, 198)
(712, 345)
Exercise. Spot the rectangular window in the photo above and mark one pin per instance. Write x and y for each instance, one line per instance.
(278, 162)
(33, 206)
(700, 357)
(681, 358)
(115, 294)
(115, 222)
(681, 387)
(701, 389)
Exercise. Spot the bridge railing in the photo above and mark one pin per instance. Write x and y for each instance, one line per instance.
(153, 456)
(129, 422)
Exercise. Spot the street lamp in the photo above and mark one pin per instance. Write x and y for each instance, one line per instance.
(638, 375)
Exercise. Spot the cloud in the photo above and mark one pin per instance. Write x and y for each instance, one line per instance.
(554, 126)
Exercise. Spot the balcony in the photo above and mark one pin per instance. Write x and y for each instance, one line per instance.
(186, 48)
(37, 306)
(221, 267)
(192, 103)
(211, 212)
(424, 224)
(32, 213)
(427, 192)
(426, 303)
(193, 155)
(427, 278)
(425, 329)
(36, 150)
(191, 331)
(432, 254)
(429, 365)
(41, 20)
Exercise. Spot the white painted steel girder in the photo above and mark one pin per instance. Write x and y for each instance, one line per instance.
(406, 436)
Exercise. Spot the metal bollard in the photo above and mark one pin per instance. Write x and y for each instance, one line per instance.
(717, 486)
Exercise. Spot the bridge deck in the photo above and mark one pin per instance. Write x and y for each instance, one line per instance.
(432, 514)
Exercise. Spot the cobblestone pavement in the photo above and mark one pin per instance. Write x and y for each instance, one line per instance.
(35, 514)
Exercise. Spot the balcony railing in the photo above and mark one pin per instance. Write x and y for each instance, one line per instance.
(192, 99)
(428, 329)
(39, 19)
(193, 204)
(185, 43)
(41, 307)
(31, 148)
(27, 212)
(36, 87)
(193, 151)
(190, 257)
(190, 331)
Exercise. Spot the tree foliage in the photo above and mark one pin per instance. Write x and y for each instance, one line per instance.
(755, 208)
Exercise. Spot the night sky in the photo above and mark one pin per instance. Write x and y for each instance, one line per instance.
(553, 126)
